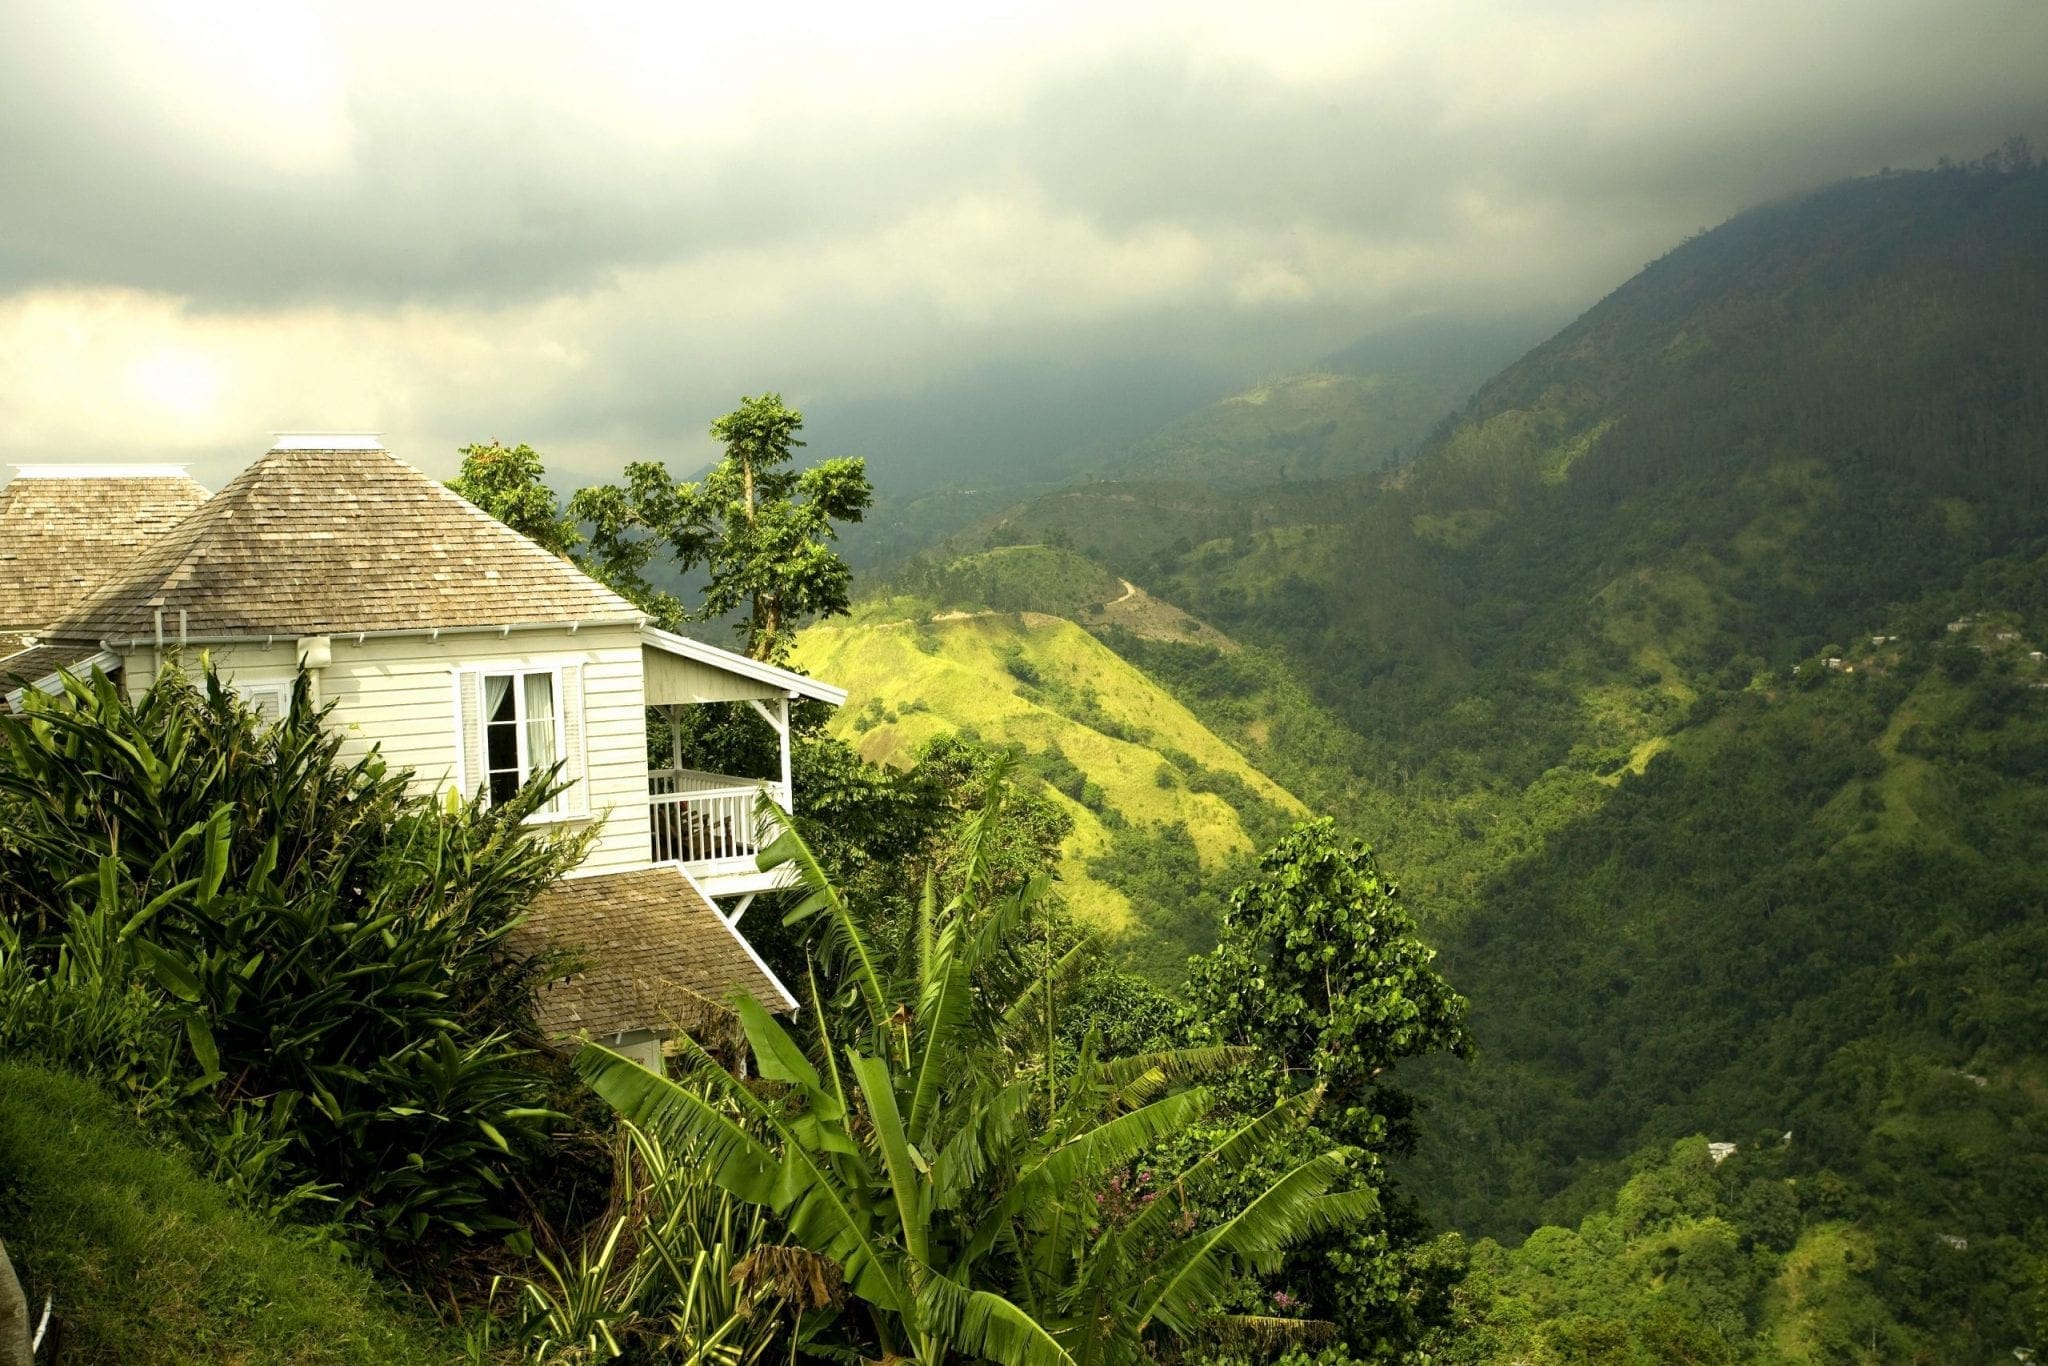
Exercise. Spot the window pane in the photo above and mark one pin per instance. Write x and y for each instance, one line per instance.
(501, 738)
(540, 721)
(498, 698)
(501, 747)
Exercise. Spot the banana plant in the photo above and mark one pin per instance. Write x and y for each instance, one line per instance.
(910, 1134)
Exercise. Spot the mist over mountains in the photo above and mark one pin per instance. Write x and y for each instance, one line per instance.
(1688, 669)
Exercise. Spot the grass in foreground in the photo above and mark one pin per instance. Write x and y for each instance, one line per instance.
(151, 1263)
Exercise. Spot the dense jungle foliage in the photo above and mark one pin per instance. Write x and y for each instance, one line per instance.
(297, 978)
(1689, 678)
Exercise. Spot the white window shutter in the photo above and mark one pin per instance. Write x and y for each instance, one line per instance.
(575, 763)
(469, 733)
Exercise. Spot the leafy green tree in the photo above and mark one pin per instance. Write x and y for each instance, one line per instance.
(1320, 971)
(509, 483)
(760, 530)
(977, 1203)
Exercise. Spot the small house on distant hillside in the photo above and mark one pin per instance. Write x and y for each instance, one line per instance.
(464, 652)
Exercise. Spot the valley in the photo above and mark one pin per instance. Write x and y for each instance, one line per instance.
(1687, 679)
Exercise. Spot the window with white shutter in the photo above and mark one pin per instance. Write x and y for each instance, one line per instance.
(518, 723)
(270, 699)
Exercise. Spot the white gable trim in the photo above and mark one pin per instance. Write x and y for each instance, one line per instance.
(740, 939)
(327, 441)
(53, 682)
(100, 471)
(786, 680)
(429, 633)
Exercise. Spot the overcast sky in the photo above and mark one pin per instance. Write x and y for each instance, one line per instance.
(595, 227)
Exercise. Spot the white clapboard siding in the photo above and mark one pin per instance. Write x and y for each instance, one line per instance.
(406, 695)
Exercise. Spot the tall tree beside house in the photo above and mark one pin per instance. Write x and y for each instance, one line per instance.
(509, 482)
(760, 529)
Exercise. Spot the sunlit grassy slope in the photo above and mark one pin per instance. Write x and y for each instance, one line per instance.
(1045, 686)
(147, 1262)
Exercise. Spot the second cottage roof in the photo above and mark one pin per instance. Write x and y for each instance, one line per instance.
(334, 538)
(66, 529)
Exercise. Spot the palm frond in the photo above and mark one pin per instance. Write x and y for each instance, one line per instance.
(1026, 1008)
(938, 1024)
(970, 1151)
(1260, 1133)
(987, 1325)
(811, 1202)
(978, 836)
(1090, 1156)
(846, 942)
(885, 1123)
(737, 1161)
(1138, 1077)
(1293, 1207)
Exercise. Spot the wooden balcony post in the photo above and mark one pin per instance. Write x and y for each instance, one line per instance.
(788, 792)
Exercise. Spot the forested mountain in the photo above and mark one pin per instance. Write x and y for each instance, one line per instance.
(1356, 411)
(1363, 409)
(1689, 677)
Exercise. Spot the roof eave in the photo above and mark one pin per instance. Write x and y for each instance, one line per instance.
(289, 633)
(732, 662)
(53, 683)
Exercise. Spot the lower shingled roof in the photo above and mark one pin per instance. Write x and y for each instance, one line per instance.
(27, 668)
(658, 956)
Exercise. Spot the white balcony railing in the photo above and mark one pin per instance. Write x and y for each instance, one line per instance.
(708, 820)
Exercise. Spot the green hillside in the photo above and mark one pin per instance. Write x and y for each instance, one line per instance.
(148, 1262)
(1313, 426)
(1688, 890)
(1141, 777)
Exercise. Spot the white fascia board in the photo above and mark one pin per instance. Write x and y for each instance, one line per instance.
(740, 939)
(289, 635)
(53, 683)
(787, 680)
(327, 441)
(100, 471)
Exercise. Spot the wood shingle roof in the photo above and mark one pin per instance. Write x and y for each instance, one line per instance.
(332, 542)
(65, 532)
(30, 667)
(660, 958)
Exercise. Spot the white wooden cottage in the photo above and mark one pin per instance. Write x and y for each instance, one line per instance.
(467, 654)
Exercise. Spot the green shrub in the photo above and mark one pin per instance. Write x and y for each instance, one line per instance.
(288, 943)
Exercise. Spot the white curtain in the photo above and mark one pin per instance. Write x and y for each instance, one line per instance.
(499, 734)
(496, 689)
(540, 726)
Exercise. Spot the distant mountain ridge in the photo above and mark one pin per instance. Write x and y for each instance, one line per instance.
(1357, 410)
(1689, 887)
(1364, 408)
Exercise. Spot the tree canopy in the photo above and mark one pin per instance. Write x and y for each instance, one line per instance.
(760, 529)
(509, 483)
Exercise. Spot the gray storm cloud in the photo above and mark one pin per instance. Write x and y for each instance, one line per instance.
(598, 234)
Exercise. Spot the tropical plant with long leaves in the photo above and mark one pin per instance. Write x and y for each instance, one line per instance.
(913, 1130)
(327, 947)
(678, 1268)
